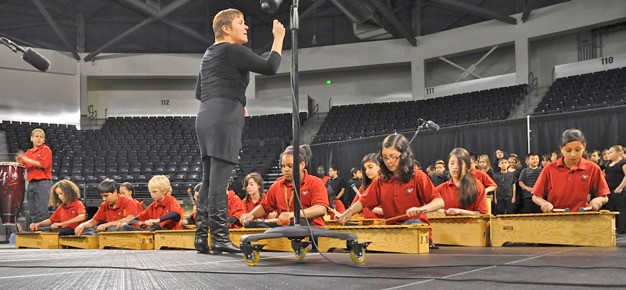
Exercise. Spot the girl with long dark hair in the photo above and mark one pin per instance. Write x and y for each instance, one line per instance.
(462, 194)
(404, 192)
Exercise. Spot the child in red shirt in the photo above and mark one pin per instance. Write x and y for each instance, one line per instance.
(70, 211)
(568, 181)
(191, 219)
(38, 164)
(253, 185)
(235, 210)
(369, 165)
(128, 189)
(404, 192)
(279, 197)
(462, 194)
(164, 213)
(113, 208)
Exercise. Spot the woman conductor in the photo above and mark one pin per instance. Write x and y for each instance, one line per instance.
(222, 82)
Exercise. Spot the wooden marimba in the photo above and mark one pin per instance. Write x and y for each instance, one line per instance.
(132, 240)
(79, 242)
(184, 239)
(472, 231)
(37, 240)
(566, 228)
(409, 239)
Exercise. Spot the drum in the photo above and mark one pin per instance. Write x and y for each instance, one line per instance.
(11, 190)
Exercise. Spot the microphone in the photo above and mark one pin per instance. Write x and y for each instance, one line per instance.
(270, 6)
(30, 56)
(35, 59)
(428, 124)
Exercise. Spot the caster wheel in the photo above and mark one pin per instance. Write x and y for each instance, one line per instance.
(301, 253)
(252, 258)
(357, 257)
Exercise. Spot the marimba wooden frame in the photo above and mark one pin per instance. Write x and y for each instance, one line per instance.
(570, 228)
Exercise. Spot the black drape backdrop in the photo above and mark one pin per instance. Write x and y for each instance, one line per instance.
(602, 127)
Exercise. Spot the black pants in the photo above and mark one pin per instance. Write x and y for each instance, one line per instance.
(504, 206)
(528, 206)
(617, 202)
(215, 176)
(66, 231)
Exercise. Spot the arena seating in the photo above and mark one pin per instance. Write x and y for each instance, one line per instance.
(586, 91)
(136, 148)
(364, 120)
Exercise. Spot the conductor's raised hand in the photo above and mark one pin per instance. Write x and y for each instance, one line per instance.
(278, 29)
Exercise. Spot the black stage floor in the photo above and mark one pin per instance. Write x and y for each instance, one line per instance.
(515, 267)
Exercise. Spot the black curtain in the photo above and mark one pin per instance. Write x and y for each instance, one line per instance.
(602, 127)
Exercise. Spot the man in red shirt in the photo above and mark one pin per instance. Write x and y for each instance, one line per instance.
(38, 164)
(113, 208)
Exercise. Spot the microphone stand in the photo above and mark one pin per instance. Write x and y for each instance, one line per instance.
(10, 44)
(297, 233)
(419, 128)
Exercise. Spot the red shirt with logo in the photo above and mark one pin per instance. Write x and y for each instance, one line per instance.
(395, 197)
(484, 178)
(67, 212)
(158, 209)
(279, 197)
(124, 207)
(43, 154)
(138, 204)
(568, 188)
(367, 213)
(235, 207)
(452, 199)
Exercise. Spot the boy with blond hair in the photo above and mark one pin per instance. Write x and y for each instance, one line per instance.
(164, 213)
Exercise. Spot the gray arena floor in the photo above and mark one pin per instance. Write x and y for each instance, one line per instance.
(516, 267)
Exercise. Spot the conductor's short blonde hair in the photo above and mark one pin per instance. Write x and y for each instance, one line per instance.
(159, 182)
(224, 18)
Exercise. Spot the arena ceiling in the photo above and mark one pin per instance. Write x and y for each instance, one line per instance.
(184, 26)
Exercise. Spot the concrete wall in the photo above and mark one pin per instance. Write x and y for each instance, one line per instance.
(374, 71)
(30, 95)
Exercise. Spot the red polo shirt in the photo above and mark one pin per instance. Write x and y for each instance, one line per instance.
(43, 154)
(483, 178)
(567, 188)
(235, 207)
(124, 207)
(249, 204)
(138, 204)
(312, 192)
(367, 213)
(452, 199)
(67, 212)
(395, 196)
(158, 209)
